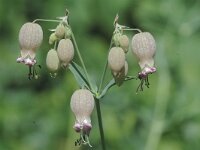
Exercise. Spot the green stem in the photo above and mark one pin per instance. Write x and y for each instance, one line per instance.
(111, 84)
(104, 71)
(103, 76)
(133, 30)
(81, 60)
(100, 123)
(47, 20)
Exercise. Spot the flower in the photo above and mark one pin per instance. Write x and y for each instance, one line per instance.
(30, 38)
(118, 65)
(82, 105)
(144, 47)
(116, 59)
(65, 51)
(52, 60)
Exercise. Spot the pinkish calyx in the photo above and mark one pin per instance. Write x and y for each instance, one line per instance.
(143, 76)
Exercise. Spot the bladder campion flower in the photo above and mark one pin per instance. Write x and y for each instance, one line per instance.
(117, 64)
(116, 59)
(65, 51)
(30, 38)
(82, 105)
(144, 47)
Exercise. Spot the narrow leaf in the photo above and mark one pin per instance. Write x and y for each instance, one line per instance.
(108, 86)
(79, 75)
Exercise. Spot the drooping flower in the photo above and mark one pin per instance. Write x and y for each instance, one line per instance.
(65, 51)
(144, 47)
(52, 62)
(116, 59)
(30, 38)
(82, 105)
(117, 64)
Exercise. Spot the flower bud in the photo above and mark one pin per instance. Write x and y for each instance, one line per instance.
(30, 36)
(52, 60)
(65, 51)
(116, 59)
(60, 31)
(124, 43)
(144, 47)
(82, 105)
(116, 38)
(68, 32)
(52, 38)
(120, 76)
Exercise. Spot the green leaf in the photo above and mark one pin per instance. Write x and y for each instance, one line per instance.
(108, 86)
(79, 75)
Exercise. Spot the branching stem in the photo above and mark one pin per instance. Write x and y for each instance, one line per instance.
(104, 71)
(46, 20)
(98, 108)
(130, 29)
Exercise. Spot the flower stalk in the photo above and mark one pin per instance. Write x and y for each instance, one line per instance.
(101, 131)
(46, 20)
(104, 71)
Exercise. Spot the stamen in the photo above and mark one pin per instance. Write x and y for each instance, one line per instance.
(35, 74)
(138, 87)
(53, 75)
(78, 142)
(141, 85)
(83, 138)
(147, 81)
(30, 73)
(88, 141)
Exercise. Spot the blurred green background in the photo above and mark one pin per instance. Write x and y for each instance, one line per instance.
(35, 115)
